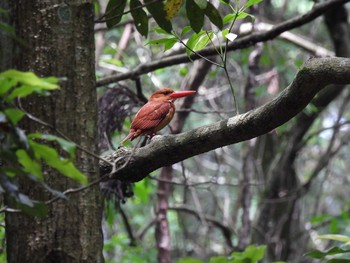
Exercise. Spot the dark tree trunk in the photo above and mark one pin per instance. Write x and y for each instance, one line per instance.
(58, 39)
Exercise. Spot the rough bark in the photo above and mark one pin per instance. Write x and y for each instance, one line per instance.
(315, 75)
(59, 41)
(5, 38)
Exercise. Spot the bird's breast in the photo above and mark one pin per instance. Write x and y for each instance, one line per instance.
(168, 117)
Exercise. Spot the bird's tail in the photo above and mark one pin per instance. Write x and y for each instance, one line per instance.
(129, 137)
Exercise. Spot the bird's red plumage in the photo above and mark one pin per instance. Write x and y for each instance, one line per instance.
(156, 113)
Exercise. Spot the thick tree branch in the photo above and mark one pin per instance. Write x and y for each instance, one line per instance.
(313, 77)
(240, 43)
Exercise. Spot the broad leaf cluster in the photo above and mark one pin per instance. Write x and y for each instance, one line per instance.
(164, 12)
(25, 155)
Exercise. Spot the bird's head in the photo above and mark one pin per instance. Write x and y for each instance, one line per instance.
(167, 94)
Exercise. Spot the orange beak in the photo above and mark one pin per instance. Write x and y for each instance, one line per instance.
(180, 94)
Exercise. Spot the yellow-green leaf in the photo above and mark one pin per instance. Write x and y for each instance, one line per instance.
(158, 12)
(30, 79)
(340, 238)
(53, 159)
(15, 115)
(30, 165)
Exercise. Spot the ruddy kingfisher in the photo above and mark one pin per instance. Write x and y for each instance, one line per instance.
(156, 113)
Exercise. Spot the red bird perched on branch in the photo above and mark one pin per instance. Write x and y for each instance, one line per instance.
(156, 113)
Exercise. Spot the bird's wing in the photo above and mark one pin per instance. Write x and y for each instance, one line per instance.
(150, 115)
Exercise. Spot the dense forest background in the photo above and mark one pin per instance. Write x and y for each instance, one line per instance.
(267, 185)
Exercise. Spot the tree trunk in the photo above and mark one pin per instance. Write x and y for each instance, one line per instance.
(58, 39)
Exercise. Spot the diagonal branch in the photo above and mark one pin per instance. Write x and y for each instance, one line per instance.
(243, 42)
(312, 78)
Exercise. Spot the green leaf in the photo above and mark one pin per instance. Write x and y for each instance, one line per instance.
(114, 12)
(30, 165)
(228, 18)
(159, 14)
(167, 42)
(224, 33)
(340, 238)
(255, 253)
(6, 85)
(6, 28)
(191, 42)
(241, 15)
(140, 17)
(35, 208)
(22, 91)
(333, 251)
(15, 115)
(190, 260)
(220, 259)
(251, 2)
(214, 16)
(10, 171)
(30, 79)
(170, 43)
(251, 254)
(142, 191)
(201, 3)
(160, 41)
(203, 41)
(185, 30)
(320, 218)
(68, 146)
(195, 15)
(52, 158)
(159, 30)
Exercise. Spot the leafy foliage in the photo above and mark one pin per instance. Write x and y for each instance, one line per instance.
(335, 253)
(119, 245)
(251, 254)
(163, 13)
(25, 155)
